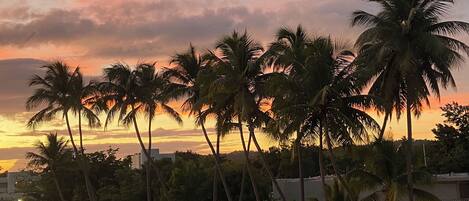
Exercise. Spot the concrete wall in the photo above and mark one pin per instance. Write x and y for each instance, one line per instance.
(446, 188)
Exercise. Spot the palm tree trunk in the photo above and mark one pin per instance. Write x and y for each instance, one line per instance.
(81, 133)
(149, 161)
(264, 163)
(147, 154)
(57, 185)
(243, 177)
(383, 127)
(246, 157)
(333, 161)
(75, 149)
(81, 163)
(300, 170)
(215, 175)
(217, 164)
(410, 152)
(321, 160)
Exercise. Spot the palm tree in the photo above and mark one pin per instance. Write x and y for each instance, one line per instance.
(290, 54)
(317, 94)
(408, 53)
(61, 90)
(49, 157)
(185, 84)
(83, 108)
(322, 96)
(237, 86)
(131, 92)
(385, 175)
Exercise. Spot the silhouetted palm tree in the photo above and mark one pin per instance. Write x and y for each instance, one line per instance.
(290, 54)
(320, 97)
(408, 54)
(49, 157)
(132, 92)
(236, 87)
(385, 175)
(61, 91)
(184, 77)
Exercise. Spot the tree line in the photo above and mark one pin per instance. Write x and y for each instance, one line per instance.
(300, 87)
(376, 166)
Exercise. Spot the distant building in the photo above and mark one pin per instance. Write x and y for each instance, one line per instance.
(9, 183)
(138, 159)
(447, 187)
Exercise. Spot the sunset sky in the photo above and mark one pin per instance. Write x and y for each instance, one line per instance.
(95, 33)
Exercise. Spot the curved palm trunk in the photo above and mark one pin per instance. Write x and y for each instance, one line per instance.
(147, 154)
(243, 177)
(264, 163)
(215, 175)
(334, 162)
(410, 152)
(300, 170)
(57, 185)
(81, 133)
(217, 163)
(81, 163)
(383, 127)
(246, 157)
(75, 149)
(321, 160)
(149, 161)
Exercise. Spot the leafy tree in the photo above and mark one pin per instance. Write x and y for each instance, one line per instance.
(385, 175)
(449, 153)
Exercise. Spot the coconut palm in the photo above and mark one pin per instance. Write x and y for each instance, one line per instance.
(83, 108)
(408, 52)
(49, 157)
(132, 92)
(185, 85)
(320, 97)
(290, 54)
(238, 86)
(385, 175)
(61, 91)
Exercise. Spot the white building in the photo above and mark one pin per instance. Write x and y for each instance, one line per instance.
(447, 187)
(9, 182)
(138, 159)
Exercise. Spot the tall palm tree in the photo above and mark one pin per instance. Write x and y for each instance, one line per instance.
(129, 93)
(290, 54)
(408, 53)
(184, 77)
(239, 66)
(84, 108)
(321, 96)
(385, 176)
(49, 157)
(61, 91)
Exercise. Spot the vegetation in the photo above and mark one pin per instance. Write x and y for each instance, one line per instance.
(300, 90)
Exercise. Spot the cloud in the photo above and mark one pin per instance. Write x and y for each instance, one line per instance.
(119, 133)
(142, 29)
(14, 76)
(124, 148)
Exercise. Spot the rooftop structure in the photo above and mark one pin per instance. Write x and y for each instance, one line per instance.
(138, 159)
(447, 187)
(9, 184)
